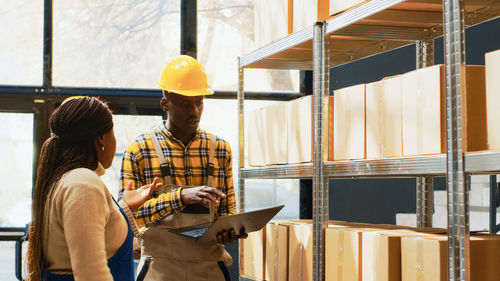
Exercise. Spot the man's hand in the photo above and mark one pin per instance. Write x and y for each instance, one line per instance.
(202, 195)
(229, 237)
(136, 197)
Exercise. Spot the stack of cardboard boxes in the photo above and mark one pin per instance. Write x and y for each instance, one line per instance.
(282, 133)
(363, 252)
(398, 116)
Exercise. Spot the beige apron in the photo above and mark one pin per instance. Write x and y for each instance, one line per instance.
(174, 257)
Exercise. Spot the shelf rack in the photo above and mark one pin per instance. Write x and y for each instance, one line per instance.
(371, 28)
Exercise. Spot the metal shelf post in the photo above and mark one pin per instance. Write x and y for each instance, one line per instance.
(457, 180)
(241, 147)
(425, 53)
(321, 79)
(425, 189)
(425, 201)
(494, 203)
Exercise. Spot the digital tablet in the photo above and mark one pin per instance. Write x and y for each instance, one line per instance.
(250, 221)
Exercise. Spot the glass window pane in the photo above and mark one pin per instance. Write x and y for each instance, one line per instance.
(226, 31)
(127, 128)
(16, 144)
(7, 261)
(21, 42)
(114, 43)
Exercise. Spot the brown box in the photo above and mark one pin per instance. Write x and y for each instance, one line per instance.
(381, 256)
(349, 123)
(300, 130)
(475, 136)
(257, 147)
(277, 233)
(384, 119)
(275, 122)
(300, 253)
(424, 111)
(254, 255)
(343, 254)
(426, 258)
(368, 252)
(492, 63)
(272, 20)
(338, 6)
(424, 115)
(307, 12)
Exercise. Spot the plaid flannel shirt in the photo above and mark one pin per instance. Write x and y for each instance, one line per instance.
(188, 164)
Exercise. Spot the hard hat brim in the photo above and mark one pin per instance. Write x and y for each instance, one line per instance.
(190, 93)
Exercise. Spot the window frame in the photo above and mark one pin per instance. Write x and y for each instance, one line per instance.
(42, 100)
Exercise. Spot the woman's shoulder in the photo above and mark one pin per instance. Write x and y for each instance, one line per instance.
(82, 177)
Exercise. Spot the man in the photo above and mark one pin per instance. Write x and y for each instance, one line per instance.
(196, 169)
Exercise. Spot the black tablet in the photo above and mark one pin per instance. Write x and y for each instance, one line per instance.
(250, 221)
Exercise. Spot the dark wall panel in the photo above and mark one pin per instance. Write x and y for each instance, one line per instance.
(378, 200)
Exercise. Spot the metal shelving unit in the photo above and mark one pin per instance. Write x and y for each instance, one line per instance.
(374, 27)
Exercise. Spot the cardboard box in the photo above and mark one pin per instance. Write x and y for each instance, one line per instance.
(424, 111)
(257, 147)
(475, 136)
(384, 119)
(277, 233)
(306, 13)
(424, 115)
(368, 252)
(300, 130)
(427, 258)
(349, 123)
(300, 253)
(338, 6)
(276, 137)
(254, 255)
(381, 256)
(343, 254)
(492, 63)
(272, 20)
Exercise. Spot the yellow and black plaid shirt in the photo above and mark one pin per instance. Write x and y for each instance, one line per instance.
(188, 167)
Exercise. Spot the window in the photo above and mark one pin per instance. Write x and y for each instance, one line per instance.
(21, 37)
(226, 31)
(7, 261)
(16, 172)
(127, 128)
(114, 43)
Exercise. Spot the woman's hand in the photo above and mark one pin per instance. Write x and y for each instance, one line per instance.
(136, 197)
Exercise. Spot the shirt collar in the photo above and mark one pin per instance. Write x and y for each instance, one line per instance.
(168, 134)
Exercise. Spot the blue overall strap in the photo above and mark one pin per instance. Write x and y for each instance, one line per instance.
(120, 264)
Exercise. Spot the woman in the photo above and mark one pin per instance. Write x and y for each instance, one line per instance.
(78, 231)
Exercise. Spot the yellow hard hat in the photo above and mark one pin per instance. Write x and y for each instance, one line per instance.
(186, 76)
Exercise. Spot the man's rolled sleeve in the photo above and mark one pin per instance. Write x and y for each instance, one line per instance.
(159, 207)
